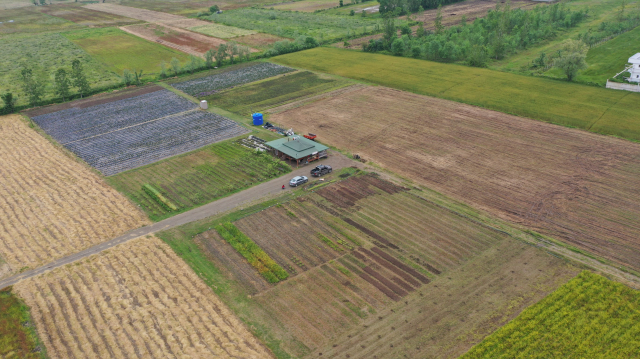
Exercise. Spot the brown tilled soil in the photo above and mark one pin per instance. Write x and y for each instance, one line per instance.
(451, 15)
(95, 100)
(50, 205)
(134, 13)
(137, 300)
(573, 185)
(182, 40)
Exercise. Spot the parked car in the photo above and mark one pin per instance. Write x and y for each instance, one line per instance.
(298, 180)
(321, 170)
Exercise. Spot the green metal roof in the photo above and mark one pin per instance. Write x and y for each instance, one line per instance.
(297, 148)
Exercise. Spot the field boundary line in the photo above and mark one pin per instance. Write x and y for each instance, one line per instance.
(607, 110)
(137, 124)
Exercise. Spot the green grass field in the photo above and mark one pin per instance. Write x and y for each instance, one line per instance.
(30, 20)
(599, 110)
(258, 96)
(324, 28)
(589, 317)
(221, 31)
(118, 50)
(611, 57)
(45, 53)
(197, 178)
(17, 340)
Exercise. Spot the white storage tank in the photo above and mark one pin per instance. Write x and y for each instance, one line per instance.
(204, 105)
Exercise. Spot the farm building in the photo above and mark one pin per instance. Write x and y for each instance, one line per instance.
(634, 69)
(298, 149)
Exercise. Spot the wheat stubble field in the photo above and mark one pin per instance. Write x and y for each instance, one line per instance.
(50, 205)
(573, 185)
(138, 300)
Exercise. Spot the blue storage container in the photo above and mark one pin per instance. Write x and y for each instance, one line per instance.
(257, 119)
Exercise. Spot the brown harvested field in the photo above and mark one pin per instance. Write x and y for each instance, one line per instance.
(373, 264)
(451, 15)
(576, 186)
(137, 300)
(135, 13)
(84, 16)
(50, 205)
(182, 40)
(259, 40)
(186, 8)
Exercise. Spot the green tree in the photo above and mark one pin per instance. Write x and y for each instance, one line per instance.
(221, 54)
(138, 77)
(163, 69)
(31, 86)
(232, 51)
(397, 47)
(62, 84)
(438, 21)
(78, 77)
(389, 29)
(127, 77)
(214, 9)
(477, 56)
(175, 66)
(420, 32)
(208, 58)
(572, 58)
(9, 103)
(352, 12)
(363, 13)
(341, 3)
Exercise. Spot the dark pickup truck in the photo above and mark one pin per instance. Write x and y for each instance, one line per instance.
(321, 170)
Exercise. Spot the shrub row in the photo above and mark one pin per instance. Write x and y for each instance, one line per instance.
(158, 197)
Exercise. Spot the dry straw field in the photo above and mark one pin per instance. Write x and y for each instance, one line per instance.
(573, 185)
(138, 300)
(50, 205)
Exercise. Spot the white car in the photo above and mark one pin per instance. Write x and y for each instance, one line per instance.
(298, 180)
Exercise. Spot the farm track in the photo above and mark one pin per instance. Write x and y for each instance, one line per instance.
(138, 300)
(272, 187)
(576, 186)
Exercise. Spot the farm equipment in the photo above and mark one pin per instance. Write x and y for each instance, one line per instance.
(279, 130)
(311, 136)
(253, 142)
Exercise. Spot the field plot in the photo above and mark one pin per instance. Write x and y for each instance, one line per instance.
(260, 40)
(134, 13)
(138, 300)
(221, 31)
(570, 184)
(132, 132)
(51, 205)
(589, 317)
(30, 20)
(604, 111)
(266, 94)
(119, 50)
(292, 24)
(52, 51)
(185, 41)
(373, 264)
(208, 85)
(87, 17)
(197, 178)
(19, 336)
(306, 5)
(177, 7)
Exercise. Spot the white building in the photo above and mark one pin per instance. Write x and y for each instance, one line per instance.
(634, 69)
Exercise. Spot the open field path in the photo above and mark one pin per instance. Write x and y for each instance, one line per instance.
(335, 160)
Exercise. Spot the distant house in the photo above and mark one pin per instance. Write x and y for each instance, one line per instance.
(298, 149)
(634, 68)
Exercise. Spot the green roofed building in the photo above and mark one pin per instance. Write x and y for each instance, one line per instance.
(298, 148)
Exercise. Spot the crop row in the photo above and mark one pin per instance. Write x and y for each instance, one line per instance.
(149, 142)
(210, 84)
(76, 123)
(260, 260)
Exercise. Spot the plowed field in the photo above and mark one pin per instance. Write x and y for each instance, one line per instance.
(50, 205)
(377, 271)
(87, 17)
(573, 185)
(138, 300)
(182, 40)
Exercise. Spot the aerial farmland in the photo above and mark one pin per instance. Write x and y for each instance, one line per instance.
(472, 191)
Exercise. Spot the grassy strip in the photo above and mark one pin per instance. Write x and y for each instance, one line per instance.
(329, 242)
(260, 260)
(18, 336)
(599, 110)
(588, 317)
(156, 195)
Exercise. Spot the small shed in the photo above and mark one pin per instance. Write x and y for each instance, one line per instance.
(634, 69)
(298, 148)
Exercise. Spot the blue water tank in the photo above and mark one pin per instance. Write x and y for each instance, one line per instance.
(257, 119)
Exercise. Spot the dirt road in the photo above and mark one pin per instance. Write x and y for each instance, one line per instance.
(335, 160)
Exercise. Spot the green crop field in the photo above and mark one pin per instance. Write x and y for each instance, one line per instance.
(30, 20)
(221, 31)
(18, 336)
(197, 178)
(306, 5)
(591, 108)
(119, 50)
(45, 53)
(588, 317)
(270, 93)
(324, 28)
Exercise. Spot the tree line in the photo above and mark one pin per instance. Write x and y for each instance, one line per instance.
(503, 31)
(403, 7)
